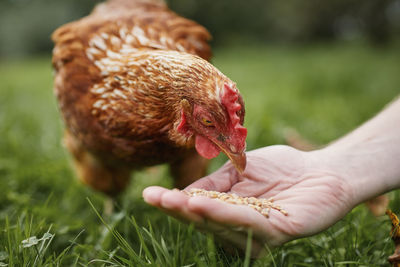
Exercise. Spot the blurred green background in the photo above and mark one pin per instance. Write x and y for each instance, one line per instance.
(26, 25)
(319, 67)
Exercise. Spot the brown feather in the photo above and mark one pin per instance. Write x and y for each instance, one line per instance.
(121, 73)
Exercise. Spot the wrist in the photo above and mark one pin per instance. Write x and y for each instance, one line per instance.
(368, 158)
(363, 165)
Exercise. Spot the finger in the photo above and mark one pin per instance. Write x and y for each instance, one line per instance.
(175, 203)
(224, 213)
(227, 228)
(152, 195)
(238, 216)
(221, 180)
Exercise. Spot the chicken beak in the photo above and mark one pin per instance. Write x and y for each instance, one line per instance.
(238, 160)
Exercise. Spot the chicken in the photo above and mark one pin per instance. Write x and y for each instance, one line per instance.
(135, 89)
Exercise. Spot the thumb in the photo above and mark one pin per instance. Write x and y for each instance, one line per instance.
(221, 180)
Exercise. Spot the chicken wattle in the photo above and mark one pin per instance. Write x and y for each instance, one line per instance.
(206, 148)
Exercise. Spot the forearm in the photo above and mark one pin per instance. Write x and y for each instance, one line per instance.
(369, 157)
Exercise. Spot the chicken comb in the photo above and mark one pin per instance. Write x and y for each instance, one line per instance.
(229, 99)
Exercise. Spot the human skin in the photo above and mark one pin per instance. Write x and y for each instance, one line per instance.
(316, 188)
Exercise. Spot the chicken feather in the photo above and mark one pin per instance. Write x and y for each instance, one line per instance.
(121, 75)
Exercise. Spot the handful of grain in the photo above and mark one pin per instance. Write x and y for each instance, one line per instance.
(261, 205)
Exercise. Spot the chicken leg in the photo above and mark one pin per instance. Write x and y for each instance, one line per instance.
(94, 172)
(188, 169)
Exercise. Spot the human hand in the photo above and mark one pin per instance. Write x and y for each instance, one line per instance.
(314, 196)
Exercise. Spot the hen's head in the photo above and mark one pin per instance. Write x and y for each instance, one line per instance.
(217, 129)
(209, 110)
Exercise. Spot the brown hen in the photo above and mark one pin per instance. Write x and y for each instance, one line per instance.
(135, 90)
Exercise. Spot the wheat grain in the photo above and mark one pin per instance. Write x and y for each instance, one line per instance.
(261, 205)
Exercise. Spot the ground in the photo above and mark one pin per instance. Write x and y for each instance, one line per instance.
(47, 218)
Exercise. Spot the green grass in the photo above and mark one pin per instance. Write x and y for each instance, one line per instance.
(48, 219)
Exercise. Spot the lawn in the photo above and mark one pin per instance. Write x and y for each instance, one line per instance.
(47, 218)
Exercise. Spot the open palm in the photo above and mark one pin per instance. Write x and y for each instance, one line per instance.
(314, 197)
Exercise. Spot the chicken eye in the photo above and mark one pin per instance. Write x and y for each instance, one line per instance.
(207, 122)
